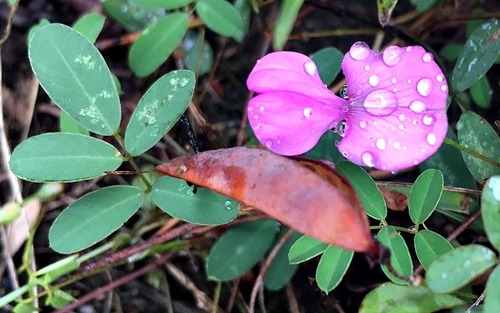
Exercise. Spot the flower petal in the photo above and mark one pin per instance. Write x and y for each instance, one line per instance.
(397, 114)
(291, 123)
(288, 71)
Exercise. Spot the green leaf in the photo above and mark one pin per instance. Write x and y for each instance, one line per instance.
(221, 17)
(57, 269)
(58, 299)
(284, 23)
(93, 217)
(365, 188)
(385, 8)
(390, 298)
(68, 125)
(456, 268)
(198, 55)
(24, 308)
(132, 17)
(63, 157)
(158, 110)
(206, 207)
(305, 249)
(492, 299)
(490, 208)
(478, 55)
(239, 249)
(451, 52)
(423, 5)
(475, 133)
(429, 245)
(328, 61)
(281, 271)
(156, 43)
(400, 255)
(75, 77)
(425, 195)
(36, 27)
(151, 176)
(90, 25)
(332, 267)
(161, 4)
(472, 25)
(323, 149)
(481, 93)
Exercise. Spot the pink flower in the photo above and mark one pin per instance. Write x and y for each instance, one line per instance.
(394, 117)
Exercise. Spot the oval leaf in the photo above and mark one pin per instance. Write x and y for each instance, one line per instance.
(328, 61)
(90, 25)
(158, 111)
(75, 77)
(160, 4)
(239, 249)
(490, 208)
(281, 271)
(390, 298)
(475, 133)
(63, 157)
(284, 189)
(425, 195)
(305, 249)
(456, 268)
(221, 17)
(93, 217)
(332, 267)
(400, 255)
(284, 23)
(68, 125)
(156, 43)
(478, 55)
(205, 207)
(492, 299)
(481, 93)
(366, 189)
(429, 245)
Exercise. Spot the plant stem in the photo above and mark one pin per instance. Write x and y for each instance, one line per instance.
(458, 146)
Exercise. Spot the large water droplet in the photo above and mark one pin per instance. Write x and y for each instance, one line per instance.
(307, 112)
(310, 68)
(343, 92)
(417, 106)
(367, 158)
(373, 80)
(359, 51)
(424, 86)
(431, 139)
(392, 55)
(380, 102)
(428, 119)
(427, 57)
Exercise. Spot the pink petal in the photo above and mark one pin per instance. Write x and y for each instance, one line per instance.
(397, 116)
(288, 71)
(291, 123)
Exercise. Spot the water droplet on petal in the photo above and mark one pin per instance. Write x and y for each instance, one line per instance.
(345, 154)
(367, 158)
(342, 128)
(431, 139)
(401, 117)
(362, 124)
(380, 102)
(359, 51)
(393, 80)
(408, 49)
(255, 117)
(401, 126)
(424, 86)
(343, 92)
(310, 68)
(417, 106)
(250, 109)
(428, 119)
(444, 88)
(427, 57)
(259, 61)
(392, 55)
(367, 67)
(269, 144)
(373, 80)
(262, 108)
(409, 81)
(380, 143)
(396, 145)
(439, 78)
(307, 112)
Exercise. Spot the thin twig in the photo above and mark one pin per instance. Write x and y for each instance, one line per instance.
(477, 302)
(234, 292)
(447, 188)
(10, 20)
(293, 305)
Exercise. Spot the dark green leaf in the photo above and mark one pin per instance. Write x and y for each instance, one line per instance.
(132, 17)
(75, 77)
(206, 207)
(161, 4)
(281, 271)
(429, 245)
(156, 43)
(198, 55)
(158, 110)
(475, 133)
(400, 255)
(456, 268)
(305, 249)
(221, 17)
(93, 217)
(284, 24)
(63, 157)
(239, 249)
(490, 208)
(328, 61)
(390, 298)
(425, 195)
(90, 25)
(365, 188)
(332, 267)
(423, 5)
(478, 55)
(481, 93)
(451, 52)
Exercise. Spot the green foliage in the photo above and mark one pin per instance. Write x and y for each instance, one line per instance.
(385, 8)
(281, 270)
(423, 5)
(132, 17)
(305, 248)
(221, 17)
(481, 93)
(490, 208)
(400, 255)
(425, 195)
(90, 25)
(332, 267)
(429, 245)
(492, 299)
(198, 55)
(284, 23)
(161, 4)
(328, 60)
